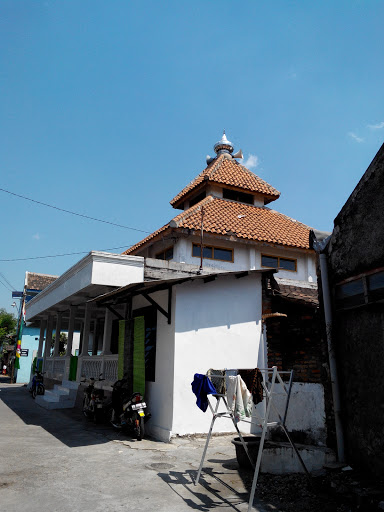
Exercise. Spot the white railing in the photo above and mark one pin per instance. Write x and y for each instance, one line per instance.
(110, 368)
(59, 366)
(90, 366)
(54, 367)
(48, 365)
(93, 366)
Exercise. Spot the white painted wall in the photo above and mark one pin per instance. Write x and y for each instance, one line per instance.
(160, 393)
(248, 257)
(97, 268)
(217, 325)
(306, 411)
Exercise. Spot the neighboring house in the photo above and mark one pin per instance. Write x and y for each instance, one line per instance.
(34, 283)
(356, 278)
(228, 203)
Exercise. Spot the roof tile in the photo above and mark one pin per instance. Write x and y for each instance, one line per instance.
(225, 170)
(225, 217)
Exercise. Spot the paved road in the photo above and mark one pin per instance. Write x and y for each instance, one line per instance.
(57, 461)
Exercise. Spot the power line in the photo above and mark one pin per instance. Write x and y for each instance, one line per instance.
(59, 255)
(5, 286)
(6, 280)
(72, 213)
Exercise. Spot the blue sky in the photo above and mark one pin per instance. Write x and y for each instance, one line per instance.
(109, 108)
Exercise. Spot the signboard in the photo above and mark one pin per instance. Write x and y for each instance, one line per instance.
(24, 352)
(17, 295)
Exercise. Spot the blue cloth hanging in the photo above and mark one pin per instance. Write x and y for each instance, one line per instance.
(202, 387)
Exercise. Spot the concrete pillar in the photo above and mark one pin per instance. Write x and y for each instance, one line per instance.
(43, 324)
(95, 336)
(253, 263)
(86, 330)
(107, 333)
(59, 318)
(71, 328)
(48, 337)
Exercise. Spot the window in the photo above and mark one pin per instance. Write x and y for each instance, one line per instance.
(236, 195)
(213, 253)
(279, 263)
(167, 254)
(197, 199)
(362, 290)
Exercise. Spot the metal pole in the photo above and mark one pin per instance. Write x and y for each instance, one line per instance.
(201, 239)
(207, 442)
(260, 452)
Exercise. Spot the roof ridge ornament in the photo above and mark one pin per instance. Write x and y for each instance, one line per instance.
(224, 146)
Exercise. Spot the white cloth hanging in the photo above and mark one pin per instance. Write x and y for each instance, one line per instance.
(239, 398)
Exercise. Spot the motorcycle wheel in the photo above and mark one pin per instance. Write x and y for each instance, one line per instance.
(34, 392)
(111, 418)
(40, 390)
(139, 427)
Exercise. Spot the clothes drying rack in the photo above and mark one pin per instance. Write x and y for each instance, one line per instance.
(271, 376)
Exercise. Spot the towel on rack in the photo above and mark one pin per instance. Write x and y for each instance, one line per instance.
(217, 378)
(202, 387)
(254, 381)
(239, 398)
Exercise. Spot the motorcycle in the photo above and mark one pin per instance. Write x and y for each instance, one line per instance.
(37, 385)
(93, 401)
(127, 410)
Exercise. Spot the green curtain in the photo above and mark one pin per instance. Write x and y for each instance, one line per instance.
(120, 361)
(73, 368)
(139, 355)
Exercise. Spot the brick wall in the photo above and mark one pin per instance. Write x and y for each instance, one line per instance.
(298, 342)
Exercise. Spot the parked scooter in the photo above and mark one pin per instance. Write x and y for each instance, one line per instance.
(93, 401)
(127, 410)
(37, 385)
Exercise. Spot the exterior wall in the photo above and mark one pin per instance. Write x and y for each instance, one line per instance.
(357, 246)
(247, 257)
(159, 394)
(306, 413)
(29, 342)
(357, 242)
(297, 343)
(217, 325)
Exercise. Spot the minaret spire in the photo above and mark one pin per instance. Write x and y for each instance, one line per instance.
(223, 145)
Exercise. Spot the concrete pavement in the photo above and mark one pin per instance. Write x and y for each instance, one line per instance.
(57, 461)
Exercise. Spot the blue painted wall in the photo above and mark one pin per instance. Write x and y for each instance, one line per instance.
(29, 342)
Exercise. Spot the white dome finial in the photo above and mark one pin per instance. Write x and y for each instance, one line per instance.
(224, 145)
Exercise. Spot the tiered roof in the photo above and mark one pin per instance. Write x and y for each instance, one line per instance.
(225, 170)
(224, 217)
(247, 222)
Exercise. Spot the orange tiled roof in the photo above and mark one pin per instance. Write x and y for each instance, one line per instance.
(227, 171)
(248, 222)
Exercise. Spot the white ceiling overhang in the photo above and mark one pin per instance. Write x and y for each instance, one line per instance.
(95, 274)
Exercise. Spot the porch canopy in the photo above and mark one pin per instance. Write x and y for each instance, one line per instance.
(125, 294)
(95, 274)
(63, 306)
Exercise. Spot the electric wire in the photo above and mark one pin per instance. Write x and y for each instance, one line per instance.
(73, 213)
(7, 287)
(6, 280)
(59, 255)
